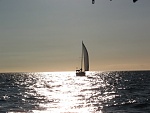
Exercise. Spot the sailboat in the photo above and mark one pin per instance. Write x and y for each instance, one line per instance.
(84, 61)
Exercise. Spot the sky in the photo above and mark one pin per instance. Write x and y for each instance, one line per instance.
(46, 35)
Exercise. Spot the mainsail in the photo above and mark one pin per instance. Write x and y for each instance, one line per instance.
(84, 61)
(85, 56)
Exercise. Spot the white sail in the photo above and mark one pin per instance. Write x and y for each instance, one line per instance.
(86, 58)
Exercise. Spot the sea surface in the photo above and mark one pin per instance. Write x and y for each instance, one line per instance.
(63, 92)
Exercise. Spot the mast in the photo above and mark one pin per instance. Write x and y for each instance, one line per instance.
(82, 57)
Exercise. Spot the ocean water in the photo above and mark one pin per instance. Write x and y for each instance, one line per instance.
(63, 92)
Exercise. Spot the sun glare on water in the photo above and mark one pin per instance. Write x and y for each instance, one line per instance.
(64, 92)
(61, 92)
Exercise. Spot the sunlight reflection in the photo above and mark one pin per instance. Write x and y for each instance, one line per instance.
(60, 92)
(63, 92)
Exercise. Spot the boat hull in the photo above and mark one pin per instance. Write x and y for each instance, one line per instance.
(80, 74)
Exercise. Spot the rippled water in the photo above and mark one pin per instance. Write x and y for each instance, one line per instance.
(63, 92)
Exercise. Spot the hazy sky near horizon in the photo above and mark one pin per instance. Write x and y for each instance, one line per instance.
(46, 35)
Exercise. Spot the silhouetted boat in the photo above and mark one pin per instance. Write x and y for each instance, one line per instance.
(84, 61)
